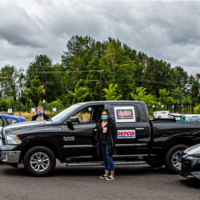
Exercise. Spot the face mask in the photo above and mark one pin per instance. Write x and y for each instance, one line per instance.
(39, 112)
(104, 117)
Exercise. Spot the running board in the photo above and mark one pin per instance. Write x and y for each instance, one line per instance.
(101, 163)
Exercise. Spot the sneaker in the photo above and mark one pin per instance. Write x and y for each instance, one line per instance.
(104, 176)
(110, 178)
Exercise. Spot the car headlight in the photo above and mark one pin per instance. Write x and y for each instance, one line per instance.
(13, 139)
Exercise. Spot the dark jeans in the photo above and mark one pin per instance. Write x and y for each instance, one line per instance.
(108, 160)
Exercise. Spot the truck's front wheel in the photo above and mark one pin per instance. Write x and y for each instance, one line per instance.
(39, 161)
(172, 157)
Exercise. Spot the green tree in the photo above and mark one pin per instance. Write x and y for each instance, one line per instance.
(178, 93)
(118, 68)
(51, 76)
(80, 93)
(110, 94)
(164, 97)
(80, 52)
(77, 46)
(11, 80)
(3, 105)
(158, 75)
(181, 78)
(141, 95)
(36, 91)
(193, 85)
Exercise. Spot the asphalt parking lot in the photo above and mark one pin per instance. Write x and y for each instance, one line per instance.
(132, 182)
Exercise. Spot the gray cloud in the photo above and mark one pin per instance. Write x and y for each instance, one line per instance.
(18, 28)
(164, 30)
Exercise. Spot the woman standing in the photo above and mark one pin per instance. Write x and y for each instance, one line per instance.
(40, 116)
(106, 136)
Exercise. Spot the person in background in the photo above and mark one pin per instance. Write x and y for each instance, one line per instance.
(40, 116)
(106, 136)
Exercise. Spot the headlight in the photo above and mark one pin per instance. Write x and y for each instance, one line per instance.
(13, 139)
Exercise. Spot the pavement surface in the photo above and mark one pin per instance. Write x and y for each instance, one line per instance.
(132, 182)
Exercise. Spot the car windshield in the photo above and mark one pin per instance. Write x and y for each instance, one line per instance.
(64, 113)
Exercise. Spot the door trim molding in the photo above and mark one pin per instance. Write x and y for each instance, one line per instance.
(130, 145)
(92, 146)
(78, 146)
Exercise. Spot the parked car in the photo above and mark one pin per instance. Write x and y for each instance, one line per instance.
(6, 120)
(176, 116)
(69, 137)
(189, 163)
(161, 114)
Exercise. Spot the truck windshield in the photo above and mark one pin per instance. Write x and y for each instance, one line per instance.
(64, 113)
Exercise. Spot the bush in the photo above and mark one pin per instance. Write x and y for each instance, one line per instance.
(197, 109)
(3, 105)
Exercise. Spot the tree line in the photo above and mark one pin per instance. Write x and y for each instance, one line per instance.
(92, 70)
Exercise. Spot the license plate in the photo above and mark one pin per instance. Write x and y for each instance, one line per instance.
(179, 166)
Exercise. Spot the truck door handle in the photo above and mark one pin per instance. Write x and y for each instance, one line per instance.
(139, 128)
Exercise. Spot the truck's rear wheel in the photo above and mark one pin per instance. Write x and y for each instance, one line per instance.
(39, 161)
(172, 157)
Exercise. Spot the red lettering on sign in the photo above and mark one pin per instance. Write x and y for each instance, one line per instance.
(124, 133)
(124, 113)
(120, 133)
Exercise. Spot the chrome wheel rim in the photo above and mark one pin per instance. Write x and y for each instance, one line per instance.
(39, 161)
(175, 158)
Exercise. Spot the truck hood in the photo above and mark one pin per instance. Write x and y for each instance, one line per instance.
(26, 125)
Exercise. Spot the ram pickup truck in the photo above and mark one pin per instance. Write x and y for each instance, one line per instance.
(69, 137)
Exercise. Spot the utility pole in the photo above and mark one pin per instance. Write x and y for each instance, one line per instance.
(19, 105)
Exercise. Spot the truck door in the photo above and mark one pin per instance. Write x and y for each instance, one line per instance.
(80, 140)
(133, 129)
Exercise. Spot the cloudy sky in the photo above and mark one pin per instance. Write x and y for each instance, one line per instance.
(165, 30)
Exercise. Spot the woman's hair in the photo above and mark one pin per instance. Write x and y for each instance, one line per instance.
(40, 107)
(108, 113)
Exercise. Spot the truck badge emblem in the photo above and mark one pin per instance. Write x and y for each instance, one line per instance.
(69, 138)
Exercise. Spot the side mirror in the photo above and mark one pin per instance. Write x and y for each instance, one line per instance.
(71, 121)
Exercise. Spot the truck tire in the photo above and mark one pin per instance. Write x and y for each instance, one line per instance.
(172, 157)
(155, 164)
(39, 161)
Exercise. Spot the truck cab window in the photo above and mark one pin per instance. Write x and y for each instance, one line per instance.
(89, 114)
(84, 115)
(137, 115)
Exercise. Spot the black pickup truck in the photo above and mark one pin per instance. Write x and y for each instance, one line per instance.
(69, 137)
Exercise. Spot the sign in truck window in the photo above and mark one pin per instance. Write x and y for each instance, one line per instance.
(124, 134)
(124, 114)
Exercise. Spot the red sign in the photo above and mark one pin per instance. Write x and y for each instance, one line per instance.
(126, 134)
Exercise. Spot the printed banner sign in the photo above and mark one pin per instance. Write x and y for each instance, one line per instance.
(124, 114)
(123, 134)
(9, 110)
